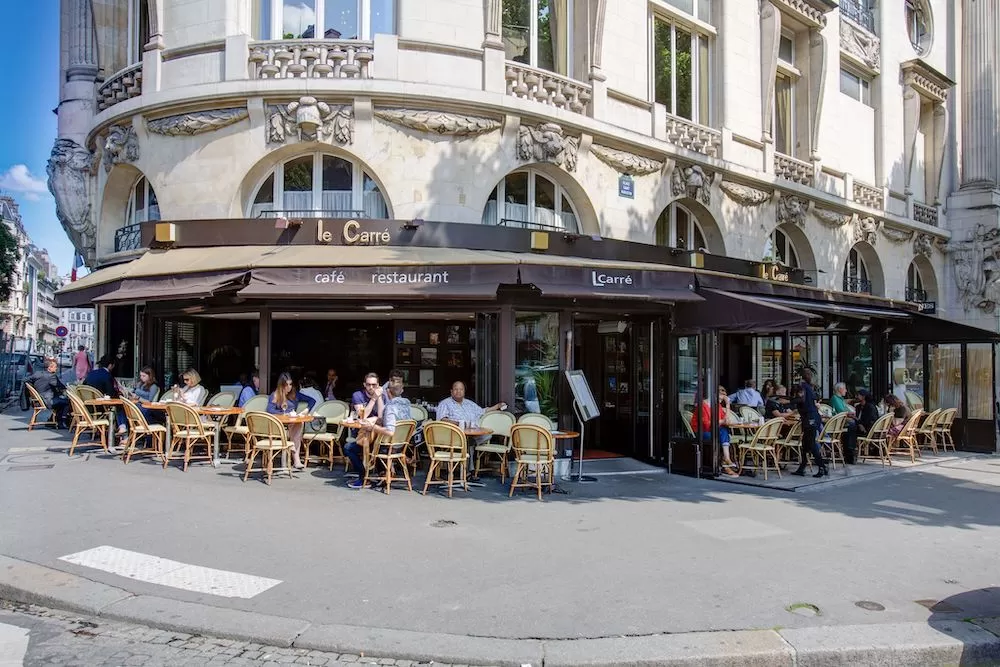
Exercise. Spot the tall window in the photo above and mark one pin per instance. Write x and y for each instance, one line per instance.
(530, 199)
(856, 86)
(323, 19)
(677, 228)
(856, 274)
(539, 33)
(318, 183)
(782, 250)
(784, 96)
(681, 66)
(915, 285)
(918, 25)
(138, 34)
(142, 204)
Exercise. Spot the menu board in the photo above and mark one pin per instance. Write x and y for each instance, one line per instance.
(582, 394)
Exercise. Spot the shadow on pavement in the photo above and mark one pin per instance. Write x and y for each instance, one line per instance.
(981, 607)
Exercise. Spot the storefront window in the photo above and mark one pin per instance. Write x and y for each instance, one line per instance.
(945, 385)
(686, 363)
(817, 353)
(907, 365)
(858, 363)
(536, 359)
(979, 371)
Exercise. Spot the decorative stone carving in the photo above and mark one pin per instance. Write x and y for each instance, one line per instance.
(196, 122)
(866, 230)
(311, 59)
(923, 245)
(897, 236)
(861, 44)
(806, 11)
(625, 162)
(547, 143)
(69, 169)
(977, 268)
(310, 120)
(121, 145)
(833, 218)
(439, 122)
(693, 182)
(744, 194)
(792, 210)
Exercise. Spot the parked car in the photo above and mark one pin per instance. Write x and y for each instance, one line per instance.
(24, 364)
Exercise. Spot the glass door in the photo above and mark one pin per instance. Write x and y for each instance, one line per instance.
(642, 382)
(617, 398)
(485, 364)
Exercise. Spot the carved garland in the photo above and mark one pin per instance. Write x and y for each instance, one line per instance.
(439, 122)
(744, 194)
(833, 219)
(625, 162)
(197, 122)
(897, 236)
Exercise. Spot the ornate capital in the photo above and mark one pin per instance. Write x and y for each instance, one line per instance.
(744, 195)
(625, 162)
(310, 120)
(196, 122)
(693, 182)
(439, 122)
(792, 210)
(547, 143)
(121, 145)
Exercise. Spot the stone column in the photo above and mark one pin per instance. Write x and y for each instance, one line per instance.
(980, 80)
(494, 58)
(82, 42)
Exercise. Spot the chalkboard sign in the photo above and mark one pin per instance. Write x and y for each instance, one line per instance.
(581, 392)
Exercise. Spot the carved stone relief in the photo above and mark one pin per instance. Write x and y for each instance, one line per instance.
(866, 230)
(69, 169)
(121, 145)
(196, 122)
(898, 236)
(833, 218)
(792, 210)
(308, 119)
(693, 182)
(923, 245)
(439, 122)
(625, 162)
(547, 143)
(744, 195)
(977, 268)
(861, 44)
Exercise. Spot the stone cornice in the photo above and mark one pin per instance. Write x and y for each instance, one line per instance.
(926, 80)
(811, 12)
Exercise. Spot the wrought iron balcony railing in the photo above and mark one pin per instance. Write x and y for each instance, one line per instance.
(914, 295)
(128, 237)
(859, 11)
(857, 285)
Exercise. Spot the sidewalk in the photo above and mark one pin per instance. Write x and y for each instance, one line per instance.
(952, 642)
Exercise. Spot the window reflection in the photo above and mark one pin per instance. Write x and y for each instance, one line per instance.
(536, 357)
(686, 358)
(945, 382)
(979, 371)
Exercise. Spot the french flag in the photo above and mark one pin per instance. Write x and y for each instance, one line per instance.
(77, 263)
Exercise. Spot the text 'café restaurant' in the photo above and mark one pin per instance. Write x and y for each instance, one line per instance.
(508, 310)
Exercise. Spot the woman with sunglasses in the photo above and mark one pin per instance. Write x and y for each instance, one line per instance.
(283, 401)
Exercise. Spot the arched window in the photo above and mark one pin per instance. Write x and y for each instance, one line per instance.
(339, 19)
(856, 274)
(530, 200)
(918, 25)
(142, 204)
(915, 290)
(319, 184)
(783, 251)
(677, 228)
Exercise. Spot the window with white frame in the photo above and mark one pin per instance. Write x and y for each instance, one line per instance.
(528, 199)
(319, 183)
(783, 250)
(785, 81)
(323, 19)
(138, 33)
(539, 33)
(678, 228)
(682, 67)
(142, 204)
(856, 274)
(855, 86)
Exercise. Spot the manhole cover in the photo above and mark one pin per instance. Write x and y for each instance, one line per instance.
(939, 607)
(803, 609)
(35, 467)
(868, 605)
(443, 523)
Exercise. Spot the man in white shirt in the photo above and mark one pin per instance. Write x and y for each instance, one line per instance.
(749, 395)
(457, 408)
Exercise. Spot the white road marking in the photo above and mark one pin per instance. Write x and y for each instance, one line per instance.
(910, 506)
(13, 645)
(165, 572)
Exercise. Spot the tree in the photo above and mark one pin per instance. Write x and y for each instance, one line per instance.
(9, 257)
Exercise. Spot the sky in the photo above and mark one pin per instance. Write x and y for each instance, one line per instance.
(30, 84)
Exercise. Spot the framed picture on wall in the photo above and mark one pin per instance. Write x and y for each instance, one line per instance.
(427, 378)
(428, 356)
(435, 338)
(453, 335)
(404, 355)
(409, 337)
(455, 359)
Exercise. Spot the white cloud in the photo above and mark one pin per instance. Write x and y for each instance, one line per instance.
(20, 181)
(297, 17)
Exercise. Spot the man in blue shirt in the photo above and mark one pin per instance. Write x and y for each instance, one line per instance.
(370, 402)
(809, 414)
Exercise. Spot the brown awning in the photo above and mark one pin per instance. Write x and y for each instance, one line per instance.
(438, 281)
(618, 282)
(781, 291)
(187, 285)
(726, 311)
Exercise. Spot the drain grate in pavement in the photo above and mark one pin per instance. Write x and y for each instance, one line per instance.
(868, 605)
(939, 607)
(803, 609)
(444, 523)
(45, 466)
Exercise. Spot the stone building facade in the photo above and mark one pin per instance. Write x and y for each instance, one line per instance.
(856, 142)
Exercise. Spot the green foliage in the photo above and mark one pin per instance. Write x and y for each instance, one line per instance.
(666, 43)
(545, 386)
(9, 257)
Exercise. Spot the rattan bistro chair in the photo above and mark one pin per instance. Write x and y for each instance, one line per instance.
(537, 419)
(762, 444)
(333, 412)
(223, 399)
(254, 404)
(188, 431)
(268, 438)
(500, 423)
(877, 437)
(391, 451)
(831, 438)
(139, 429)
(446, 446)
(927, 431)
(533, 448)
(37, 408)
(906, 441)
(944, 427)
(84, 421)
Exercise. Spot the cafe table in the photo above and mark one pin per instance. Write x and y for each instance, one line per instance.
(472, 432)
(207, 411)
(113, 405)
(289, 420)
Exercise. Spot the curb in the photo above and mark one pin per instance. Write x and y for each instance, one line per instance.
(935, 643)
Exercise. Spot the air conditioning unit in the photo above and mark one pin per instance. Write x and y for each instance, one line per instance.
(612, 327)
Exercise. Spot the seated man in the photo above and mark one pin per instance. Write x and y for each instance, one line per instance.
(53, 392)
(705, 414)
(457, 408)
(367, 402)
(839, 404)
(749, 395)
(396, 409)
(778, 405)
(103, 380)
(395, 377)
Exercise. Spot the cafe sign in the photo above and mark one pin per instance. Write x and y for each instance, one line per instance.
(351, 233)
(775, 273)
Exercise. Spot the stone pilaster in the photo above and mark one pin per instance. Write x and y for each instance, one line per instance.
(980, 79)
(82, 42)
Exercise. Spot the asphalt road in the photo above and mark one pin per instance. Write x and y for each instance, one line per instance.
(630, 555)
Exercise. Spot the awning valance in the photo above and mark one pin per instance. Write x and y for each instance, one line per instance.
(185, 285)
(615, 282)
(727, 311)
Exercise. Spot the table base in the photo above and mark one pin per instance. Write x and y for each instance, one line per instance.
(582, 479)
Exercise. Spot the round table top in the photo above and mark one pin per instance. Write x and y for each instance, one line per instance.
(219, 410)
(478, 432)
(103, 401)
(562, 435)
(297, 419)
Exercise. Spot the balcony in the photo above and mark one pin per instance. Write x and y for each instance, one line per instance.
(694, 137)
(868, 195)
(925, 214)
(532, 83)
(128, 238)
(122, 85)
(792, 169)
(860, 12)
(312, 59)
(857, 285)
(914, 295)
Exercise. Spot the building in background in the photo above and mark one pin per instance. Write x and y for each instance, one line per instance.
(82, 328)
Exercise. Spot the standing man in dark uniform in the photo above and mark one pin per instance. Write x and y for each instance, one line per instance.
(809, 414)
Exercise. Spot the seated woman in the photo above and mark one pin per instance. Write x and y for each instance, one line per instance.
(900, 414)
(282, 402)
(705, 426)
(251, 387)
(192, 393)
(147, 390)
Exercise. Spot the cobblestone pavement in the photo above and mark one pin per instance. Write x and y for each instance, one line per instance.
(70, 640)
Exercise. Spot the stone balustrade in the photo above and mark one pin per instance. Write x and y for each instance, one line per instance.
(694, 137)
(928, 215)
(311, 59)
(868, 195)
(120, 86)
(793, 169)
(531, 83)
